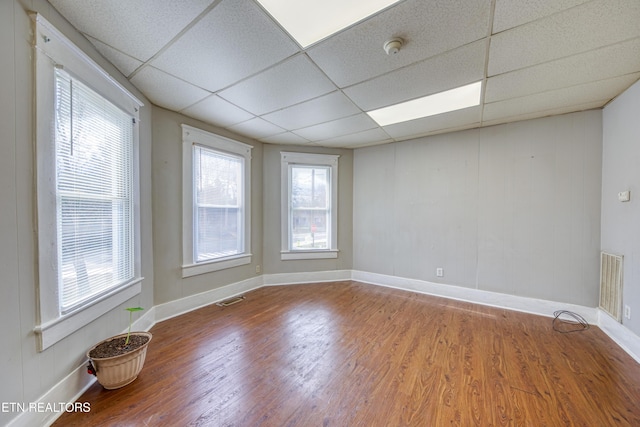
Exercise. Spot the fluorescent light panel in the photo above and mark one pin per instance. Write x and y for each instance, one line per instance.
(443, 102)
(309, 21)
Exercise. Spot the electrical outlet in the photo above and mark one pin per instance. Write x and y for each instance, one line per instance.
(439, 272)
(257, 269)
(627, 312)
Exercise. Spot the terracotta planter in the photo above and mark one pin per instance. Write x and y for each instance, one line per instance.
(118, 371)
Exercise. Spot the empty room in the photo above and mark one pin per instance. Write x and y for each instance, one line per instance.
(320, 213)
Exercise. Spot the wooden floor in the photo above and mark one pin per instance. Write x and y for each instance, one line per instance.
(350, 354)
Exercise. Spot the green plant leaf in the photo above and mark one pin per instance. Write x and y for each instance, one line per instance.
(132, 309)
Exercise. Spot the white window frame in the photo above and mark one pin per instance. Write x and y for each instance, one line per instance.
(288, 159)
(53, 50)
(193, 136)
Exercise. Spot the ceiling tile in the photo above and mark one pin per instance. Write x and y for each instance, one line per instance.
(285, 138)
(344, 126)
(441, 131)
(167, 91)
(359, 139)
(233, 41)
(138, 28)
(602, 90)
(428, 28)
(599, 64)
(446, 71)
(511, 13)
(579, 29)
(319, 110)
(122, 61)
(256, 128)
(467, 116)
(291, 82)
(217, 111)
(545, 113)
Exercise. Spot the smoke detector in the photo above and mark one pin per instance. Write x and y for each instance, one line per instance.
(393, 46)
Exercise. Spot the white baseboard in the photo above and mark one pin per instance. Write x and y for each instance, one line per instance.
(622, 336)
(68, 390)
(184, 305)
(145, 322)
(311, 277)
(72, 387)
(180, 306)
(492, 299)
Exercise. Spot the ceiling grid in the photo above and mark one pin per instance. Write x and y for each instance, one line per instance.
(229, 63)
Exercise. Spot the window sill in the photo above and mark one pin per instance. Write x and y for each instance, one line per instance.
(215, 265)
(55, 330)
(294, 255)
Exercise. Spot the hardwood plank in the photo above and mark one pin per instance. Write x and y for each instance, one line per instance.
(346, 353)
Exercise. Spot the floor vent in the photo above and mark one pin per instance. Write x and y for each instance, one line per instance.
(611, 284)
(230, 301)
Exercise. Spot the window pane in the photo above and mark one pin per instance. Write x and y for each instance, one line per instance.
(219, 213)
(310, 207)
(94, 176)
(218, 177)
(309, 187)
(218, 231)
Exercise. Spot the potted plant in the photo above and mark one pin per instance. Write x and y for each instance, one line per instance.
(118, 360)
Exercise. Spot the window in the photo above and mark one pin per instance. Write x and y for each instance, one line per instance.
(309, 206)
(94, 193)
(216, 208)
(217, 204)
(87, 188)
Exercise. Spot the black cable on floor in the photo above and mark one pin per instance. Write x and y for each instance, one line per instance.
(576, 325)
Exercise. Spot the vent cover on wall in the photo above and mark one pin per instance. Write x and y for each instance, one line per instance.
(611, 284)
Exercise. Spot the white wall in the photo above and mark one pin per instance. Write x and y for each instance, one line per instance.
(511, 208)
(621, 172)
(11, 273)
(25, 373)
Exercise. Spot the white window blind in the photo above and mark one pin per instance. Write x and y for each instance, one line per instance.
(218, 204)
(94, 149)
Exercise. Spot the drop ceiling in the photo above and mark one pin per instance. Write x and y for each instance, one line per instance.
(228, 63)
